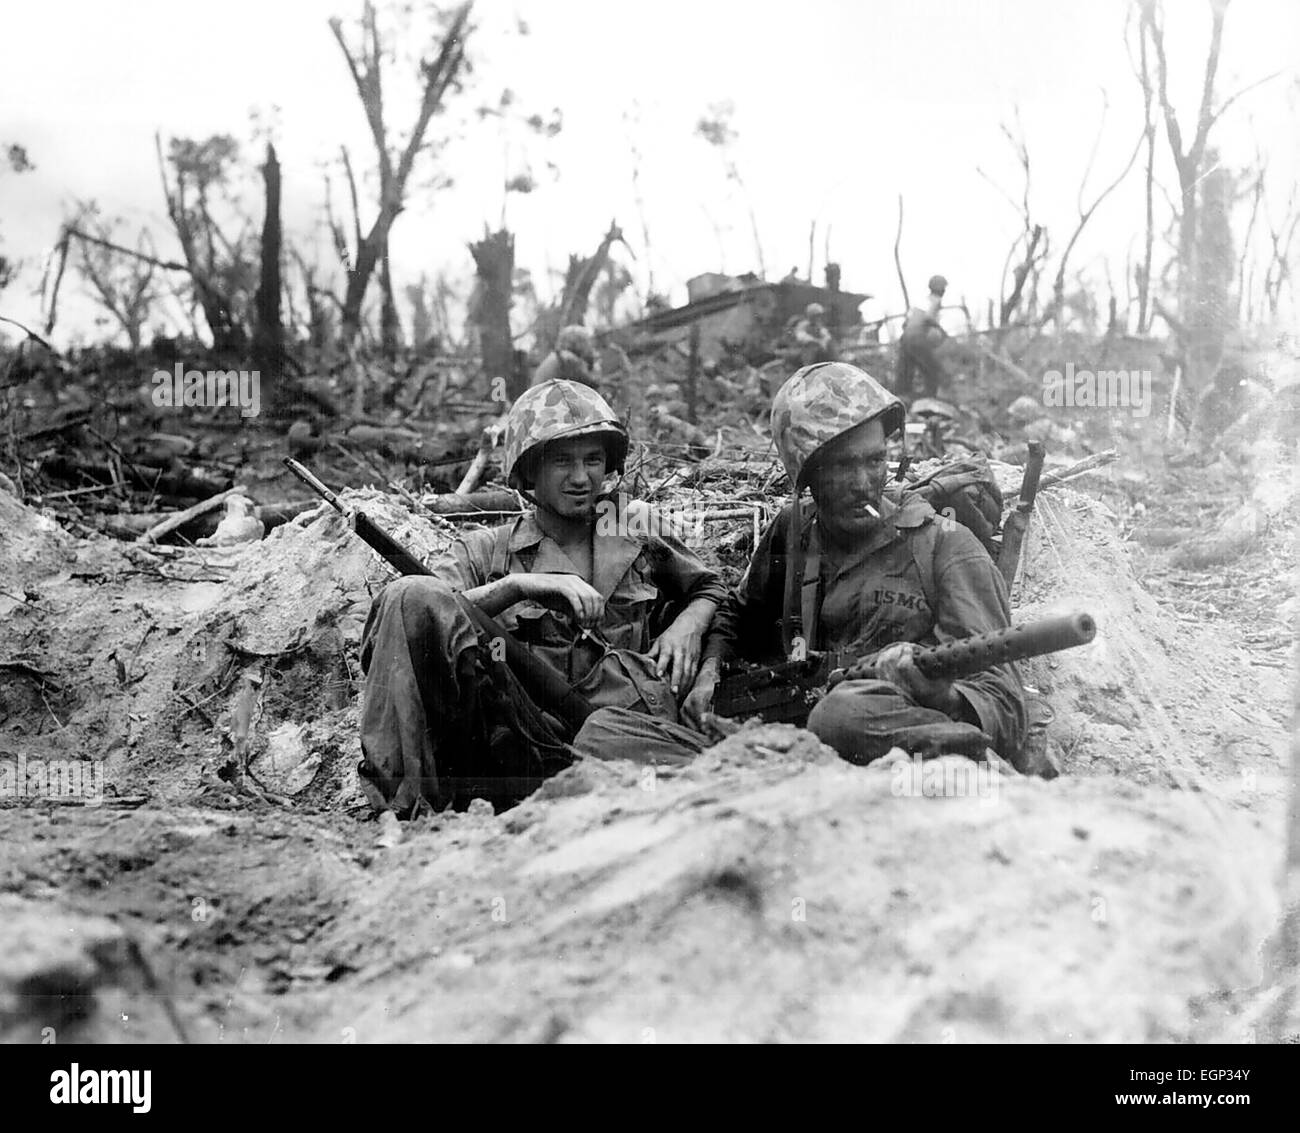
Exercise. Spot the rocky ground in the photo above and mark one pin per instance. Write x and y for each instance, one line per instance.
(768, 892)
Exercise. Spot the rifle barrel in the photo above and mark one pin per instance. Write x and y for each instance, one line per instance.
(314, 483)
(970, 655)
(384, 545)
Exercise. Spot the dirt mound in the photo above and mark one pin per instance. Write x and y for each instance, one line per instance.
(1147, 699)
(145, 658)
(70, 978)
(773, 892)
(32, 547)
(275, 660)
(767, 891)
(163, 665)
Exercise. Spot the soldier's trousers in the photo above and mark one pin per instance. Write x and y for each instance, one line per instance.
(443, 722)
(863, 720)
(919, 371)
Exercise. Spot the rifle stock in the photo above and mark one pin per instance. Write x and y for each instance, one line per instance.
(1017, 523)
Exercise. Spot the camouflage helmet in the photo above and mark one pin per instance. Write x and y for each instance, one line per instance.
(555, 411)
(937, 284)
(822, 402)
(576, 340)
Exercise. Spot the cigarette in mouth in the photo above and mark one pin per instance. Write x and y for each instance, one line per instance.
(873, 512)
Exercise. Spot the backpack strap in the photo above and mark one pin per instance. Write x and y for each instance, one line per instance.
(501, 551)
(811, 591)
(923, 542)
(792, 587)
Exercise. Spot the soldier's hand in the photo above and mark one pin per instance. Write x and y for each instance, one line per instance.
(676, 652)
(568, 591)
(895, 664)
(700, 698)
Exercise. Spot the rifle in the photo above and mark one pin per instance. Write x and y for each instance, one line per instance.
(1013, 530)
(549, 689)
(786, 692)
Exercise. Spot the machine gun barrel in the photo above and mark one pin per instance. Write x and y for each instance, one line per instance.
(970, 655)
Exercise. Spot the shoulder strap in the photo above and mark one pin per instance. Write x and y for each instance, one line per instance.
(923, 542)
(501, 551)
(811, 590)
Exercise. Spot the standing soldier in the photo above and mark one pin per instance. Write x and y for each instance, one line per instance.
(919, 371)
(443, 719)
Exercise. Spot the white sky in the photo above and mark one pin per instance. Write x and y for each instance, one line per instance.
(840, 105)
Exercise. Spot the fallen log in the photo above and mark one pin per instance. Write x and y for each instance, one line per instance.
(195, 483)
(73, 420)
(453, 503)
(134, 527)
(282, 511)
(180, 518)
(395, 443)
(487, 442)
(1087, 464)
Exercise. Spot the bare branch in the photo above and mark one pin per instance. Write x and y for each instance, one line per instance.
(352, 193)
(1244, 90)
(1092, 153)
(169, 265)
(1005, 195)
(1204, 118)
(1085, 215)
(898, 263)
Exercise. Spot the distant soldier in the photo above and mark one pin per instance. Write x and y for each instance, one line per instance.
(573, 359)
(812, 337)
(920, 372)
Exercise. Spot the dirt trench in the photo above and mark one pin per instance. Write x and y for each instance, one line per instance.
(769, 891)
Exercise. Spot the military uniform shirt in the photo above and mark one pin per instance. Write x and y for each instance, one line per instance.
(874, 596)
(631, 570)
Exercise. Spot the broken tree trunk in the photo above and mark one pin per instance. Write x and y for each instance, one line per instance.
(692, 375)
(390, 327)
(581, 278)
(268, 331)
(494, 261)
(1022, 273)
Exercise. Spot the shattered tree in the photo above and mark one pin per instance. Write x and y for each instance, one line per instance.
(366, 66)
(494, 263)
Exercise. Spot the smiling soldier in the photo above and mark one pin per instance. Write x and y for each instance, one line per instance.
(443, 720)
